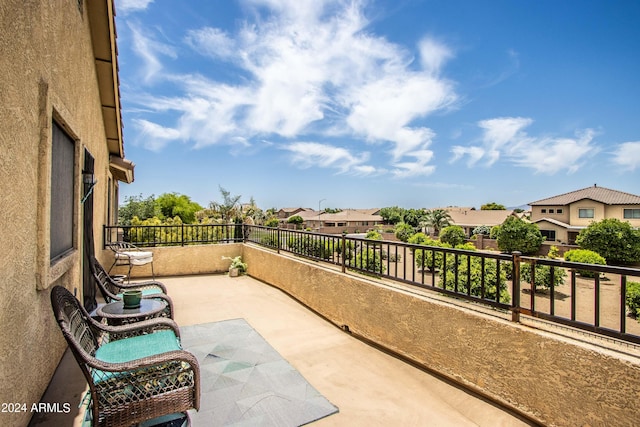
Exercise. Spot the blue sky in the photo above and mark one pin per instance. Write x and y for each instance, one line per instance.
(416, 103)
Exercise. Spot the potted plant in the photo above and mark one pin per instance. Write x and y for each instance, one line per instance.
(236, 267)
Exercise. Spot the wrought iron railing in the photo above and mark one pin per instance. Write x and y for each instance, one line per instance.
(585, 296)
(174, 235)
(555, 290)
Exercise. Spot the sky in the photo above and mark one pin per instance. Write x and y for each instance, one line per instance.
(374, 103)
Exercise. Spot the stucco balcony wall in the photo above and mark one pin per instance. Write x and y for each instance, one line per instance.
(552, 379)
(180, 260)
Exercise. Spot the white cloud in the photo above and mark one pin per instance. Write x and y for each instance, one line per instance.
(153, 136)
(312, 154)
(150, 51)
(505, 138)
(126, 6)
(309, 68)
(627, 155)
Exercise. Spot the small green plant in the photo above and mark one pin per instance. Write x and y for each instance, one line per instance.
(236, 262)
(585, 256)
(554, 252)
(543, 275)
(633, 299)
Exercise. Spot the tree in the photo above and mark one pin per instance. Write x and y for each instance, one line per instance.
(136, 206)
(482, 229)
(174, 204)
(492, 206)
(229, 208)
(403, 231)
(613, 239)
(414, 217)
(296, 219)
(453, 235)
(515, 234)
(437, 219)
(392, 215)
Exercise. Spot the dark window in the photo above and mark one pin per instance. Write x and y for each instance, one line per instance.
(549, 235)
(62, 206)
(559, 211)
(543, 210)
(585, 213)
(632, 213)
(550, 210)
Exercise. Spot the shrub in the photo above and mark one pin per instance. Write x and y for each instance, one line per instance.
(403, 231)
(517, 235)
(419, 239)
(554, 252)
(613, 239)
(633, 298)
(370, 261)
(543, 275)
(585, 256)
(453, 235)
(431, 262)
(470, 274)
(482, 229)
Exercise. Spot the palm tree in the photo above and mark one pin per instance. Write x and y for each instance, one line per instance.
(436, 219)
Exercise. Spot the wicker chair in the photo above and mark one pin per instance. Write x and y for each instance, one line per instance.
(111, 290)
(125, 253)
(135, 372)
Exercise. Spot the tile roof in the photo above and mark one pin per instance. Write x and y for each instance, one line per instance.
(598, 194)
(479, 217)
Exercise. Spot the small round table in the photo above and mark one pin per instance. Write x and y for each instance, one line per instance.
(116, 314)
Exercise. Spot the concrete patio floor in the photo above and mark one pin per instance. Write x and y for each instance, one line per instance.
(370, 387)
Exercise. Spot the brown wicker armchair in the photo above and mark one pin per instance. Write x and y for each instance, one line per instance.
(112, 289)
(135, 372)
(125, 253)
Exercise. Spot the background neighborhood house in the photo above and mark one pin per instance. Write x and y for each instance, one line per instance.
(560, 218)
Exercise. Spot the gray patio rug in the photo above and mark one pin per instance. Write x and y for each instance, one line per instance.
(245, 382)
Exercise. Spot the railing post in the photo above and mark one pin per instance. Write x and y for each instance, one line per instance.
(278, 241)
(182, 238)
(515, 298)
(344, 252)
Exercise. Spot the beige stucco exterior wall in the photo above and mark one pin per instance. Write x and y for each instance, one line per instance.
(554, 380)
(536, 213)
(181, 260)
(598, 212)
(617, 211)
(48, 73)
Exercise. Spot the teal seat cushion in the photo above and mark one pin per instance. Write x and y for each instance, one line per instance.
(128, 349)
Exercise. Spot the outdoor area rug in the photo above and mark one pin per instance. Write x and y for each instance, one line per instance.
(245, 382)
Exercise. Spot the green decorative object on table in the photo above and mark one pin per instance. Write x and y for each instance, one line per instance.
(131, 298)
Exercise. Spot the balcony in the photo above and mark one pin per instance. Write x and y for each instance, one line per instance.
(567, 357)
(368, 386)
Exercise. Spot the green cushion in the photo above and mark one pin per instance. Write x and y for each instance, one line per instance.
(128, 349)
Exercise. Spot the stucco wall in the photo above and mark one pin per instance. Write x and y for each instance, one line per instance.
(556, 381)
(181, 260)
(48, 73)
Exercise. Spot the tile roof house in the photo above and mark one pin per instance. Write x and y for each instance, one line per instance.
(349, 220)
(560, 218)
(469, 219)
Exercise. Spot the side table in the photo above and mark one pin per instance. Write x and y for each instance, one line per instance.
(116, 314)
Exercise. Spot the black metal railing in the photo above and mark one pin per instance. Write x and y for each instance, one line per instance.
(174, 235)
(585, 296)
(567, 293)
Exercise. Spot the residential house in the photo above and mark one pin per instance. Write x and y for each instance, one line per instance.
(560, 218)
(347, 220)
(285, 213)
(469, 219)
(62, 158)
